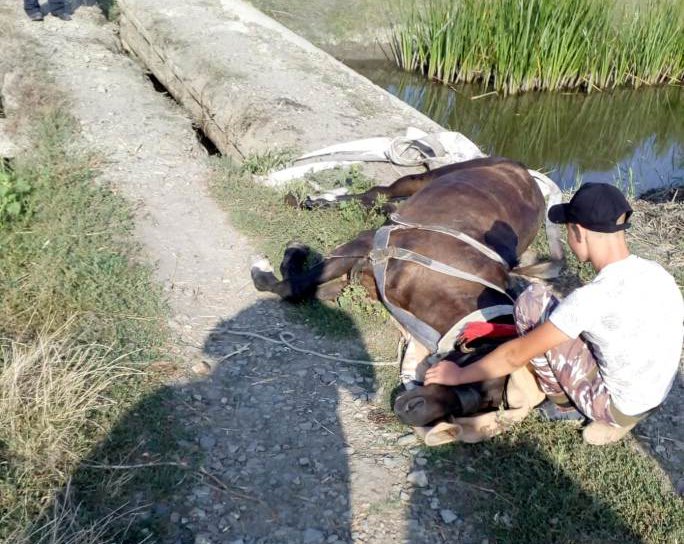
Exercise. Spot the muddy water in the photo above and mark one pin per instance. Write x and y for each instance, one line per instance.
(632, 138)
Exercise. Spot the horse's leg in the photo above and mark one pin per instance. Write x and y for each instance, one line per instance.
(311, 282)
(400, 189)
(404, 187)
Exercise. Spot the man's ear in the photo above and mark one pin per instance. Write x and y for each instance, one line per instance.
(576, 231)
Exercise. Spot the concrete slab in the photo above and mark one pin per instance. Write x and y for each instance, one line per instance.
(254, 85)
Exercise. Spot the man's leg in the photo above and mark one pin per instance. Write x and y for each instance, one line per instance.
(569, 373)
(534, 305)
(58, 8)
(32, 9)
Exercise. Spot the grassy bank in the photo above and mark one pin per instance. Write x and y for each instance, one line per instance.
(261, 213)
(540, 483)
(516, 46)
(80, 317)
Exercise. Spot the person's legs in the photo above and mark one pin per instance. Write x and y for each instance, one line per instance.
(58, 7)
(32, 9)
(569, 374)
(533, 307)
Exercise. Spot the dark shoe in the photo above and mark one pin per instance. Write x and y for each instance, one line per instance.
(550, 411)
(36, 16)
(62, 16)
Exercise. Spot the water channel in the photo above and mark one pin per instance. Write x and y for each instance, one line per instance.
(632, 138)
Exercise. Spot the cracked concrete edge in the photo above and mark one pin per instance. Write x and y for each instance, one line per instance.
(252, 85)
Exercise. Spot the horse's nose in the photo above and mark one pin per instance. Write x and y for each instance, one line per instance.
(414, 404)
(417, 408)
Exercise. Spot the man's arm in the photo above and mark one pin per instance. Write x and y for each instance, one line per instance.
(503, 360)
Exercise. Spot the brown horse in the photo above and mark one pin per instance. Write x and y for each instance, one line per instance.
(493, 201)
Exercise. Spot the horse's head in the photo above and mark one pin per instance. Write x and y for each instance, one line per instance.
(424, 405)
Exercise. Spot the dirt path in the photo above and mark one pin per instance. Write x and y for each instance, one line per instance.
(287, 438)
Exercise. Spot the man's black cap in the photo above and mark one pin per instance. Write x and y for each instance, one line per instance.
(595, 206)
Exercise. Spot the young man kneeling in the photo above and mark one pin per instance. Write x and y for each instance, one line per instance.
(610, 350)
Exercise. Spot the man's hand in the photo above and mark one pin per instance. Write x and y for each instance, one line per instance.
(444, 373)
(505, 359)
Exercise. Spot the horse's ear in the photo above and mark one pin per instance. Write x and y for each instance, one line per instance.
(443, 433)
(546, 270)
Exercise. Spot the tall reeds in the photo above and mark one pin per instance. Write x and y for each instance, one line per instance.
(521, 45)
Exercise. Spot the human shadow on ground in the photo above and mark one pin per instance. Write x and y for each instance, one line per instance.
(513, 491)
(266, 455)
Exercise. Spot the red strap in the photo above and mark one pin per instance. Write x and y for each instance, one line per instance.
(480, 329)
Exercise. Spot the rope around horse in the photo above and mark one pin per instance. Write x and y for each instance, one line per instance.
(286, 338)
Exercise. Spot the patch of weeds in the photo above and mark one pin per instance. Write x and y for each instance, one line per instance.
(67, 263)
(69, 253)
(13, 196)
(354, 299)
(543, 471)
(352, 178)
(110, 9)
(261, 213)
(263, 163)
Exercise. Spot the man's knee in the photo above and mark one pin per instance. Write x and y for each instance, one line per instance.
(531, 306)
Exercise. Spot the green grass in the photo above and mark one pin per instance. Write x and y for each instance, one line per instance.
(543, 484)
(80, 318)
(261, 213)
(69, 253)
(519, 46)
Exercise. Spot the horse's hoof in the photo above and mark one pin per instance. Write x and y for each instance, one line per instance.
(294, 259)
(291, 200)
(262, 274)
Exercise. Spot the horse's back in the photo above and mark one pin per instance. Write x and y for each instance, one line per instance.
(494, 200)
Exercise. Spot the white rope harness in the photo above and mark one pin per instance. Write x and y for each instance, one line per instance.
(286, 338)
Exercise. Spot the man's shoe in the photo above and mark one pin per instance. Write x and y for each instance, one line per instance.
(62, 16)
(550, 411)
(600, 434)
(36, 16)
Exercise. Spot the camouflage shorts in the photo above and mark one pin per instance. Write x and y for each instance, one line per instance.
(568, 373)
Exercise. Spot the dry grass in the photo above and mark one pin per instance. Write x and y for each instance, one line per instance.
(657, 233)
(50, 390)
(62, 525)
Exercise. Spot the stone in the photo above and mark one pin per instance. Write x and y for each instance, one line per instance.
(448, 516)
(203, 538)
(417, 478)
(313, 536)
(391, 462)
(680, 487)
(207, 442)
(7, 148)
(201, 368)
(407, 440)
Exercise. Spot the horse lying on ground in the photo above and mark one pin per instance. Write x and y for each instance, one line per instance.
(442, 262)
